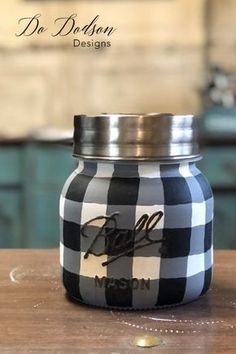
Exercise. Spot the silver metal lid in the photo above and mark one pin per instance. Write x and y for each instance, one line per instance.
(153, 136)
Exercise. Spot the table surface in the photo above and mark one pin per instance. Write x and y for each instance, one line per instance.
(37, 317)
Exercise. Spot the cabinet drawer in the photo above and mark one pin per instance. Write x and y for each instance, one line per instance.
(10, 165)
(219, 120)
(49, 165)
(225, 220)
(10, 218)
(42, 219)
(219, 165)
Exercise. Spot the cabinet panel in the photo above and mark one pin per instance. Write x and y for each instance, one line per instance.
(42, 220)
(10, 218)
(225, 220)
(49, 165)
(219, 165)
(11, 164)
(219, 120)
(46, 168)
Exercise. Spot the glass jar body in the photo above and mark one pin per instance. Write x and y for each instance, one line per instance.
(136, 235)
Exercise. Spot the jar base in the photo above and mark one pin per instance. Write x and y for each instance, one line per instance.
(78, 301)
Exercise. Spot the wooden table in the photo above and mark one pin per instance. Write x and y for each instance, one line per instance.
(36, 316)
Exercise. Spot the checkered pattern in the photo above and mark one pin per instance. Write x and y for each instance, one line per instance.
(177, 270)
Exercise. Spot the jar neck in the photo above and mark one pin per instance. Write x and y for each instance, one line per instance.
(149, 169)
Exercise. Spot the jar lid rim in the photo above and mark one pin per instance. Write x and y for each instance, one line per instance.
(136, 136)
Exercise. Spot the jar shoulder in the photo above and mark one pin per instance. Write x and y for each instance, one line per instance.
(169, 186)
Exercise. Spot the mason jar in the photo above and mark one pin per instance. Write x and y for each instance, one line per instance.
(136, 214)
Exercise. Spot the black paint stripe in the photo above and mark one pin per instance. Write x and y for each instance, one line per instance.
(71, 232)
(126, 171)
(71, 235)
(176, 191)
(79, 184)
(170, 170)
(122, 191)
(117, 296)
(171, 291)
(208, 236)
(207, 280)
(71, 283)
(176, 242)
(204, 185)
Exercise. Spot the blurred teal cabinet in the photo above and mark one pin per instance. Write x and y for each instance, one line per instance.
(225, 220)
(10, 165)
(31, 178)
(10, 218)
(219, 122)
(219, 166)
(46, 169)
(10, 196)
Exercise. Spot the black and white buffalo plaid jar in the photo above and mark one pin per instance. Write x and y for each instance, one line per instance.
(136, 215)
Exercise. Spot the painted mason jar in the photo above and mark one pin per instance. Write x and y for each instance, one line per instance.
(136, 215)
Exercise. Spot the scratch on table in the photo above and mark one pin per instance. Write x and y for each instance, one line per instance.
(38, 304)
(159, 319)
(12, 274)
(184, 326)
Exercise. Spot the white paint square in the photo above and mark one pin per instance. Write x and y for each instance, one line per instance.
(150, 210)
(62, 207)
(184, 170)
(196, 264)
(104, 170)
(92, 266)
(80, 167)
(61, 254)
(146, 267)
(198, 214)
(91, 211)
(149, 170)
